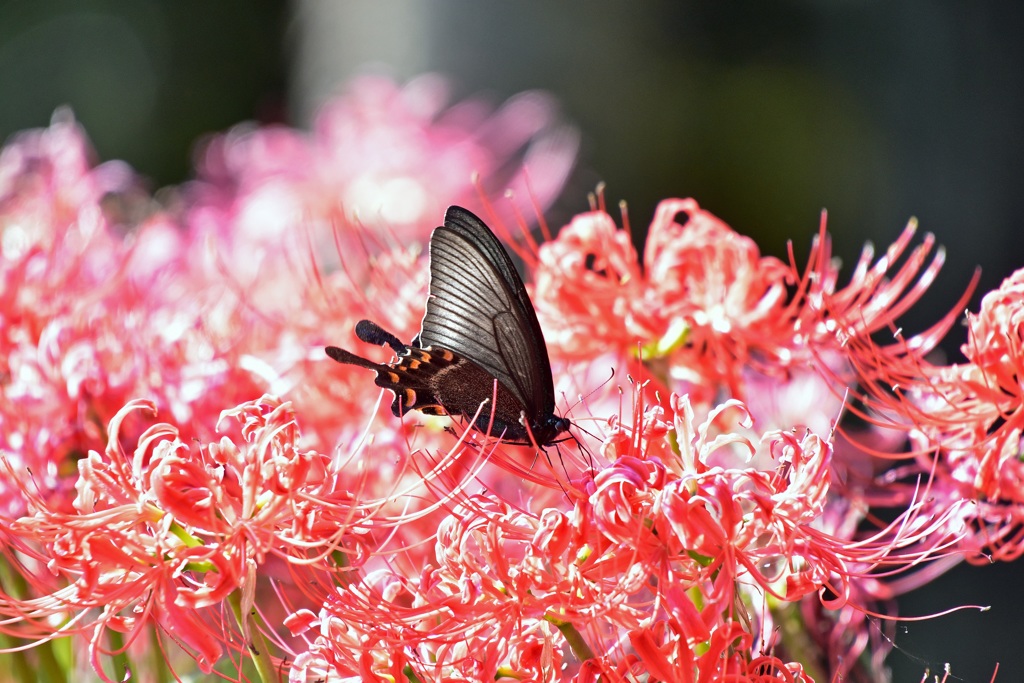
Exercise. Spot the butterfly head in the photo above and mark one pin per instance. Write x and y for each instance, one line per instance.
(549, 429)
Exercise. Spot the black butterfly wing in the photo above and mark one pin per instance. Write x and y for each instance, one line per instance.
(479, 308)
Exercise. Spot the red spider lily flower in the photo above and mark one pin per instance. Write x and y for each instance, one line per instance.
(745, 511)
(587, 307)
(162, 534)
(981, 416)
(664, 565)
(966, 422)
(876, 296)
(837, 323)
(704, 300)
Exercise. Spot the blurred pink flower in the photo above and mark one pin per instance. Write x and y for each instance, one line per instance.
(381, 163)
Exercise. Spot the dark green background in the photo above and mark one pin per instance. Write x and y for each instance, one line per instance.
(146, 79)
(765, 112)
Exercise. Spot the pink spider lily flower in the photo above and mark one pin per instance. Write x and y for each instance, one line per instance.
(55, 234)
(335, 219)
(97, 306)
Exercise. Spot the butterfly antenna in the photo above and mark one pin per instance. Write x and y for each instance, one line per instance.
(582, 399)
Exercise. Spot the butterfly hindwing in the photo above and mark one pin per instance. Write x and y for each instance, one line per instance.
(439, 382)
(414, 379)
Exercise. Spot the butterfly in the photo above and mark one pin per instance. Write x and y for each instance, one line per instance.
(479, 326)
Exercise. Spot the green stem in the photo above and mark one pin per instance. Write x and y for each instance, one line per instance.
(410, 674)
(13, 583)
(159, 668)
(577, 644)
(259, 649)
(17, 662)
(50, 668)
(119, 654)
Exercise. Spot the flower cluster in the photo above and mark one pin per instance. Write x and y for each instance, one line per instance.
(187, 481)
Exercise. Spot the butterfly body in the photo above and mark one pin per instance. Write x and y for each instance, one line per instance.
(480, 343)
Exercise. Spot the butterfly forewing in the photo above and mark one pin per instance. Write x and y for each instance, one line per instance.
(479, 308)
(473, 230)
(469, 227)
(479, 326)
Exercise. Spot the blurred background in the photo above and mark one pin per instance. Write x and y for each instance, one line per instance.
(766, 113)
